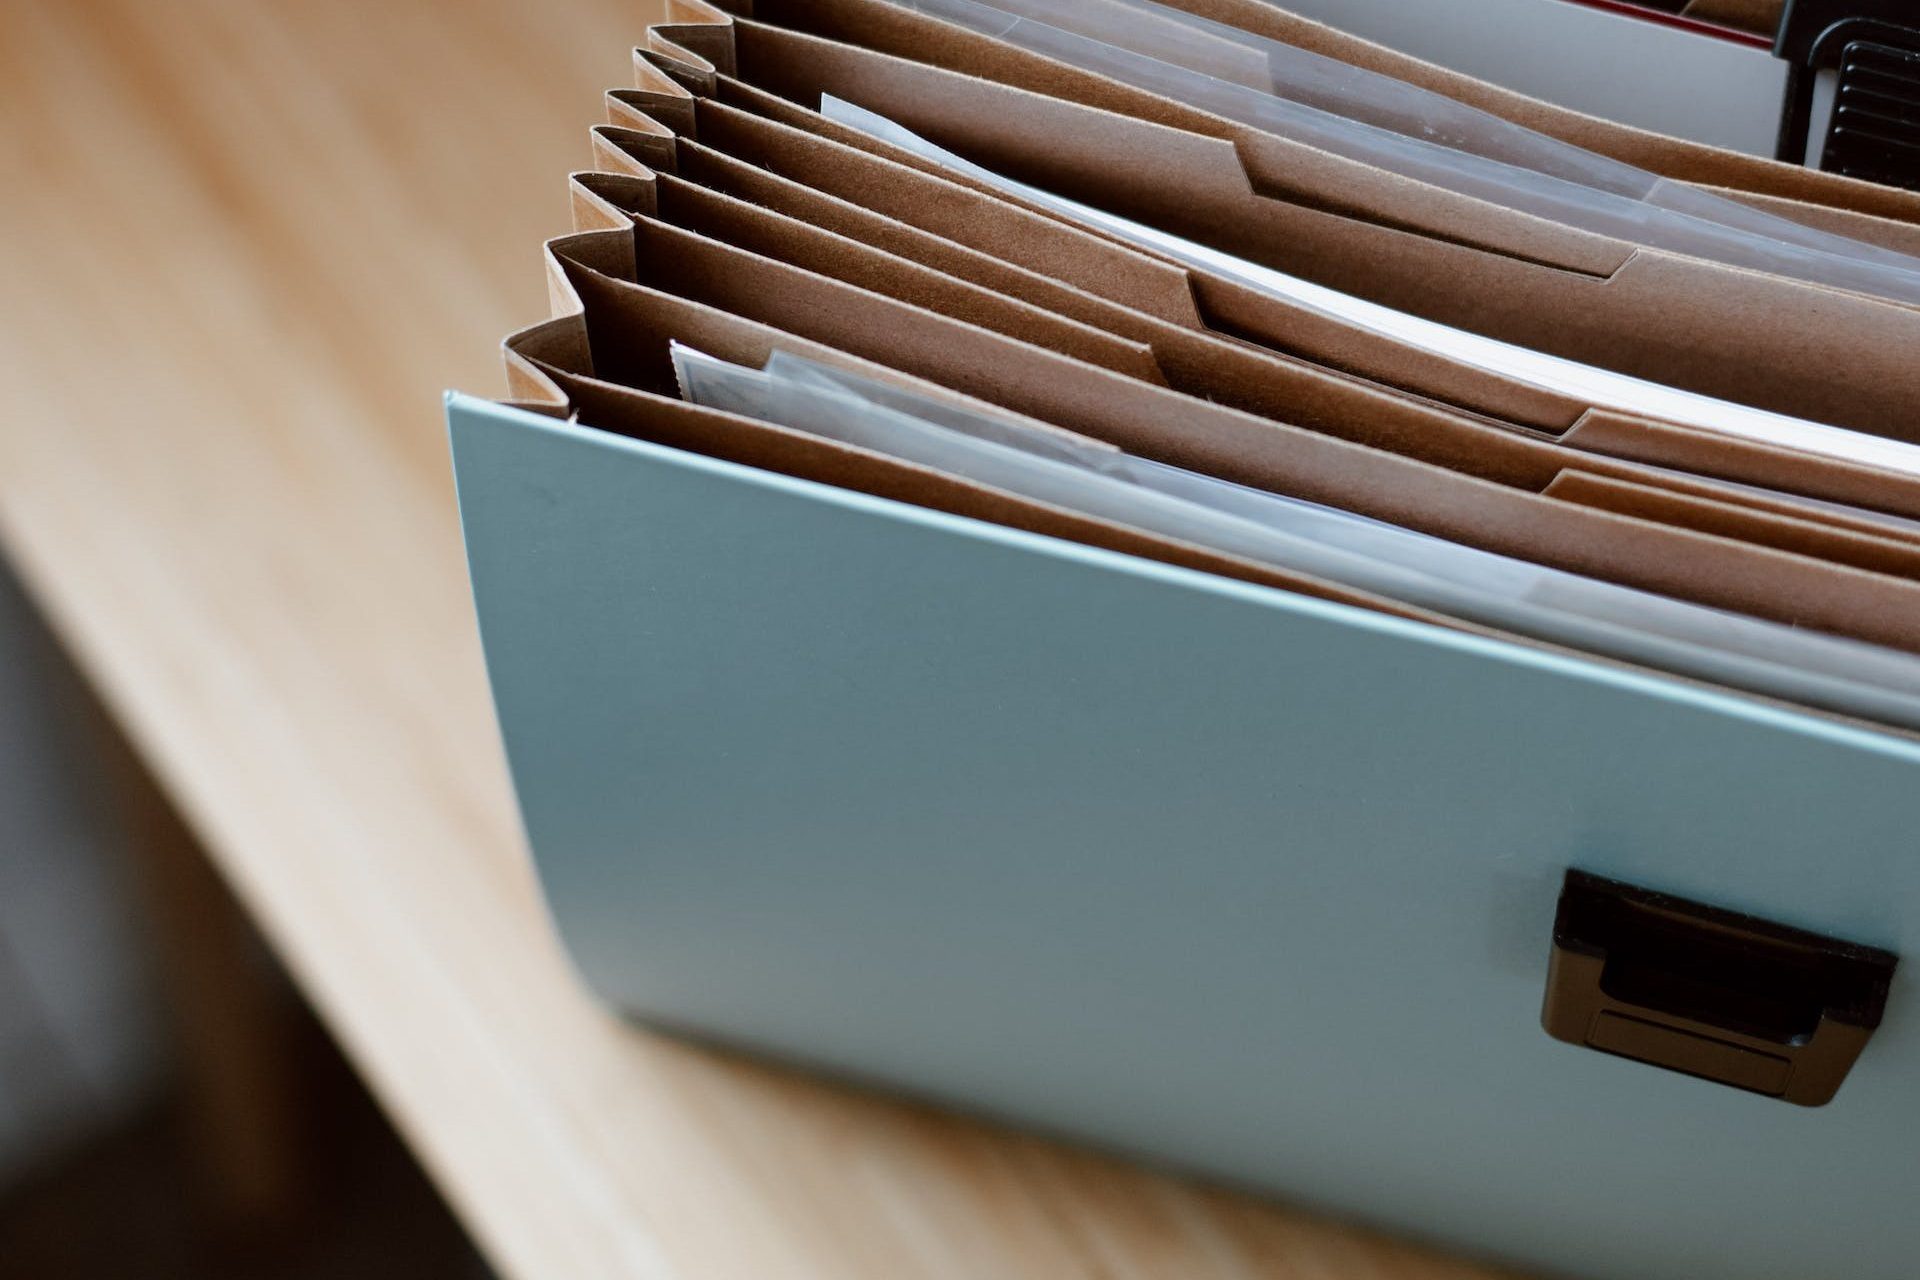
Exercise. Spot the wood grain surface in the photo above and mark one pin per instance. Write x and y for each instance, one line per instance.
(244, 244)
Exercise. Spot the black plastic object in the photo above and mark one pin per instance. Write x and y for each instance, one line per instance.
(1695, 989)
(1873, 133)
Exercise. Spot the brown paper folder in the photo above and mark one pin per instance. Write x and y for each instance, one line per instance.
(800, 244)
(1882, 551)
(1734, 334)
(1207, 368)
(1215, 369)
(801, 146)
(1692, 163)
(773, 50)
(1230, 372)
(804, 146)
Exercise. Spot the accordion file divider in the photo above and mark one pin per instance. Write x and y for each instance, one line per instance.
(1682, 322)
(866, 767)
(1168, 292)
(1263, 386)
(1086, 259)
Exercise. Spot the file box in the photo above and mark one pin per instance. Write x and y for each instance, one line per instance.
(1251, 884)
(875, 769)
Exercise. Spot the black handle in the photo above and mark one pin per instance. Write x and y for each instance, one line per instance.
(1873, 47)
(1695, 989)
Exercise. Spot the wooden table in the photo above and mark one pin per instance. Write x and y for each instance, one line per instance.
(243, 247)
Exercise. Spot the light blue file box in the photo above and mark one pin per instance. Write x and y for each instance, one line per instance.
(1243, 882)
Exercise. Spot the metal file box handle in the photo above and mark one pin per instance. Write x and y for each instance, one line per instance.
(1710, 993)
